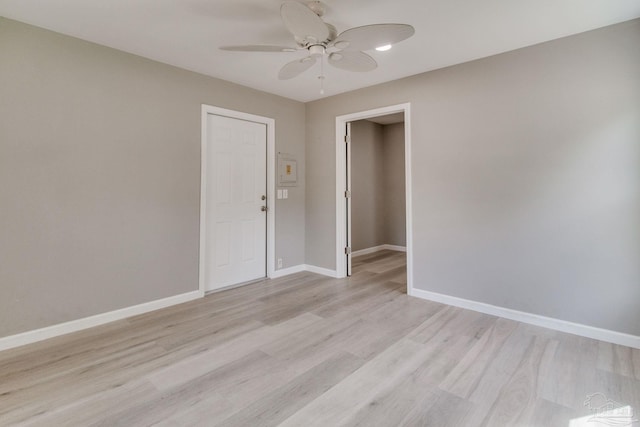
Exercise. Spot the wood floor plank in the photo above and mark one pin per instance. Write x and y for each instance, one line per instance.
(505, 364)
(518, 397)
(85, 411)
(390, 406)
(363, 299)
(572, 374)
(283, 402)
(341, 402)
(192, 367)
(466, 376)
(414, 393)
(247, 371)
(389, 323)
(446, 410)
(382, 262)
(450, 322)
(619, 388)
(205, 413)
(21, 403)
(367, 259)
(545, 414)
(307, 348)
(619, 359)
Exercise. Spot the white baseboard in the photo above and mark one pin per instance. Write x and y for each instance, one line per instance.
(287, 271)
(320, 270)
(394, 248)
(532, 319)
(367, 251)
(378, 249)
(303, 267)
(36, 335)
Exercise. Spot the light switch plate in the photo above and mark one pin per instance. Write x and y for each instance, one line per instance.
(279, 194)
(285, 193)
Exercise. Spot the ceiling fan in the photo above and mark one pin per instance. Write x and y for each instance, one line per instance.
(320, 39)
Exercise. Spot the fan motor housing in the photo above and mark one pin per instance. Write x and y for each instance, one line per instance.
(316, 50)
(306, 43)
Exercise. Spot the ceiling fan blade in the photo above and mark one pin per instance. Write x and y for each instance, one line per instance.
(352, 61)
(295, 68)
(303, 23)
(371, 36)
(258, 48)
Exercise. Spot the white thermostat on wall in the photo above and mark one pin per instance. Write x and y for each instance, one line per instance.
(287, 170)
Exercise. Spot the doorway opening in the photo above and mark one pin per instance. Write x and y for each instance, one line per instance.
(373, 192)
(237, 209)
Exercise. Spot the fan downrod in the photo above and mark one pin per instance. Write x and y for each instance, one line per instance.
(317, 7)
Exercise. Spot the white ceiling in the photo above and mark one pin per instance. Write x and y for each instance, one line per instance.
(187, 33)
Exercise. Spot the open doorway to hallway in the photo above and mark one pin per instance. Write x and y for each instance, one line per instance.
(377, 204)
(383, 116)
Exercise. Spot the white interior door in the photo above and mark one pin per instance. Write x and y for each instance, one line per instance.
(347, 193)
(236, 201)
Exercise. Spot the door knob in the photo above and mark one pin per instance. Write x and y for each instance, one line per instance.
(264, 209)
(264, 198)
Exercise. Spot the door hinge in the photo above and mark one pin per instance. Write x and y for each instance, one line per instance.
(347, 194)
(347, 138)
(347, 250)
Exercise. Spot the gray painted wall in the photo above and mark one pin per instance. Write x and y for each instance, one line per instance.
(377, 183)
(526, 177)
(394, 184)
(367, 185)
(100, 176)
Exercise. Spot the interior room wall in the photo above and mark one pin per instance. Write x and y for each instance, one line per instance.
(100, 176)
(368, 228)
(394, 184)
(525, 177)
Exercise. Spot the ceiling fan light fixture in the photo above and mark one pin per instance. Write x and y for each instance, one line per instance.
(316, 50)
(383, 48)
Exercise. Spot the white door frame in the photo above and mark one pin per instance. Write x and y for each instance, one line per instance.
(271, 212)
(341, 168)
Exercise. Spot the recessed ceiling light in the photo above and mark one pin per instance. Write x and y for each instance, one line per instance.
(383, 48)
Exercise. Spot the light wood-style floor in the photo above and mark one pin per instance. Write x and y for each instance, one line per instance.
(307, 350)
